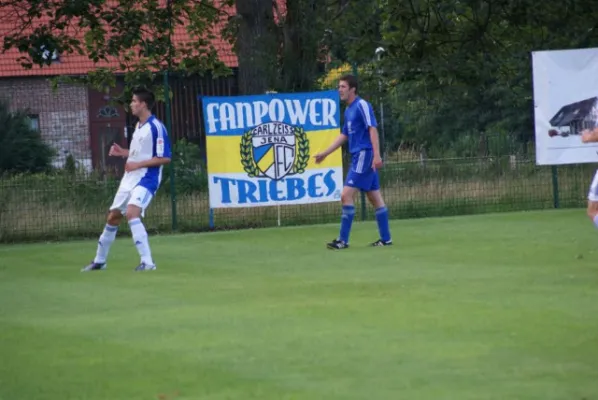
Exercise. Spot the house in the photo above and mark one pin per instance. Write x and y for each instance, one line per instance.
(82, 122)
(573, 118)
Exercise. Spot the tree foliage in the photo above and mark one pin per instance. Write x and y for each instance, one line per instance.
(464, 67)
(22, 149)
(452, 71)
(456, 71)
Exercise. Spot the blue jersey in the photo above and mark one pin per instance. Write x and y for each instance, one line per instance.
(359, 116)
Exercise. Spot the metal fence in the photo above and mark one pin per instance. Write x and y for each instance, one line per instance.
(490, 173)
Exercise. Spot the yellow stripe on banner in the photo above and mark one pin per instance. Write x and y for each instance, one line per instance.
(224, 152)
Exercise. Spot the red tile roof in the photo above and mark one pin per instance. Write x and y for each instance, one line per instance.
(75, 64)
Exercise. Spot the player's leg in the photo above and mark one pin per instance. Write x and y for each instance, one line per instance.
(381, 212)
(592, 210)
(140, 199)
(359, 178)
(375, 197)
(108, 235)
(348, 212)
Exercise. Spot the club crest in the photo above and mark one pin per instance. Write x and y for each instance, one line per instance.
(274, 150)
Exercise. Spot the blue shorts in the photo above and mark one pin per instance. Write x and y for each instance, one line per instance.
(361, 175)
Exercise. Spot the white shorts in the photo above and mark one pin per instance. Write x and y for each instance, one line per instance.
(139, 196)
(593, 192)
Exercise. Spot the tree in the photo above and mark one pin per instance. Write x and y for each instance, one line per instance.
(353, 30)
(136, 34)
(463, 67)
(253, 33)
(302, 29)
(284, 44)
(22, 149)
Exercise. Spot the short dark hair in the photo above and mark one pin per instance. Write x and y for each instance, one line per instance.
(145, 96)
(351, 81)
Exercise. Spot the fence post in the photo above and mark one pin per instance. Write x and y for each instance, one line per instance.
(169, 116)
(363, 208)
(555, 186)
(169, 130)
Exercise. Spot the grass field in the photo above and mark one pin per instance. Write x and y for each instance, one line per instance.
(499, 306)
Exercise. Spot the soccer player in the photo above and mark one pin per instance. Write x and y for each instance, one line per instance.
(589, 136)
(149, 151)
(359, 128)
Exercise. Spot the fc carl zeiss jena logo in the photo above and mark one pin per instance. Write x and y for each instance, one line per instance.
(274, 150)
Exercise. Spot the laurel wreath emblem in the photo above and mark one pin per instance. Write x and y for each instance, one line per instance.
(302, 150)
(301, 161)
(246, 157)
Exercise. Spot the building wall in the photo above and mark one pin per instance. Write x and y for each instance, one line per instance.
(63, 114)
(71, 122)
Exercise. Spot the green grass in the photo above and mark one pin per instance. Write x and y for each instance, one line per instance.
(480, 307)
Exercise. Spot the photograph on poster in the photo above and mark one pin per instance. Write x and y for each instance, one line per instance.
(565, 103)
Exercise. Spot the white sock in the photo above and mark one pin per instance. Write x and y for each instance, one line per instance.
(140, 239)
(106, 239)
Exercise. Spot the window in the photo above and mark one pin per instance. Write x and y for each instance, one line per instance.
(49, 55)
(107, 112)
(34, 122)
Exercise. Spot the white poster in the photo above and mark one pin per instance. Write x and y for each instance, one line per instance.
(565, 103)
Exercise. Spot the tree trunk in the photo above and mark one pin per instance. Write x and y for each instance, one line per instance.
(301, 45)
(256, 46)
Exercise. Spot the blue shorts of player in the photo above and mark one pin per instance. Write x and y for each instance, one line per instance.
(361, 175)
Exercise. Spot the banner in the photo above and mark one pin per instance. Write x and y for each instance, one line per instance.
(260, 149)
(565, 103)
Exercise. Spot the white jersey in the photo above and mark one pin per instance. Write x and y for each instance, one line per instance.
(149, 140)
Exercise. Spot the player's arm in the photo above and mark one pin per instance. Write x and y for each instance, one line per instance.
(369, 118)
(162, 152)
(338, 142)
(375, 141)
(153, 162)
(589, 135)
(118, 151)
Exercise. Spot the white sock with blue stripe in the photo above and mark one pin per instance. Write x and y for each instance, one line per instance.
(141, 241)
(106, 239)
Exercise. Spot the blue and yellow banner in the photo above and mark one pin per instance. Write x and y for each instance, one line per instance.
(260, 149)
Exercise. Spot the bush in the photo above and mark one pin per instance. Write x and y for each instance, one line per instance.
(70, 165)
(190, 174)
(22, 149)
